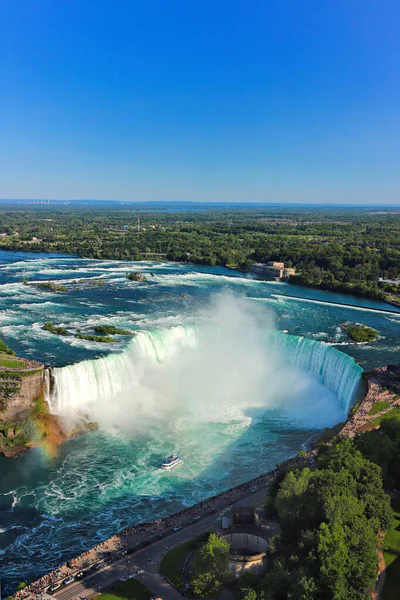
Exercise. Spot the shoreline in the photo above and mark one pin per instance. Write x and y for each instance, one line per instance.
(231, 268)
(137, 536)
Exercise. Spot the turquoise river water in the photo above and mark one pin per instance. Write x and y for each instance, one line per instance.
(234, 373)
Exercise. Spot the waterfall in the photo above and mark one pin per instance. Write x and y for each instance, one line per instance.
(79, 386)
(336, 370)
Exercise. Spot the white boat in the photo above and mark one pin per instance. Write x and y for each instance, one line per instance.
(170, 462)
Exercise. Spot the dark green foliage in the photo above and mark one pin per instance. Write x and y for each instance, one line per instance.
(51, 286)
(210, 567)
(382, 447)
(56, 329)
(335, 249)
(330, 518)
(361, 333)
(247, 594)
(4, 349)
(95, 338)
(111, 330)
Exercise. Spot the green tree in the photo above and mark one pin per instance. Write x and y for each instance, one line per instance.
(247, 594)
(210, 567)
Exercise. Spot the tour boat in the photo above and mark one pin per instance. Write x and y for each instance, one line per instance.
(170, 462)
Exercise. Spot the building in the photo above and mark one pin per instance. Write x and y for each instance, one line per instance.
(247, 533)
(272, 270)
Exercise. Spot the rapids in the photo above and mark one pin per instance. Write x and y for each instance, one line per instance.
(234, 393)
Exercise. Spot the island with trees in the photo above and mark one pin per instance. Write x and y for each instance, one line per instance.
(360, 333)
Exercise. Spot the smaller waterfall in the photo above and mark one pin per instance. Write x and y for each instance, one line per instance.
(336, 370)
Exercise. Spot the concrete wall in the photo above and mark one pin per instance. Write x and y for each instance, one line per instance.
(239, 564)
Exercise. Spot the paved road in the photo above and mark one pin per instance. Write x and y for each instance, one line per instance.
(148, 559)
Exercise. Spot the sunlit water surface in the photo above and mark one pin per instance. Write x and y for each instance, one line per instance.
(54, 507)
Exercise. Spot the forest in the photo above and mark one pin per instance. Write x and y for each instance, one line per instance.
(339, 249)
(333, 514)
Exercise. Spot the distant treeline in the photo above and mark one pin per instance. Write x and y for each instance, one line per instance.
(342, 250)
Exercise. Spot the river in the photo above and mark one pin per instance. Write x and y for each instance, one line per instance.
(210, 373)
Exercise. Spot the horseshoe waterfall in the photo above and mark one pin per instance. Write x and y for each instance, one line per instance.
(80, 386)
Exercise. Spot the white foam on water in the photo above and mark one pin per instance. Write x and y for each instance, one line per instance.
(327, 303)
(209, 370)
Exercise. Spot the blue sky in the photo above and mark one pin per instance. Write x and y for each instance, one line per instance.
(259, 101)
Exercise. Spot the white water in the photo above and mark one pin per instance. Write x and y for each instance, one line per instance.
(203, 370)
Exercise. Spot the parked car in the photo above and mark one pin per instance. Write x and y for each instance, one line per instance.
(69, 580)
(54, 587)
(177, 528)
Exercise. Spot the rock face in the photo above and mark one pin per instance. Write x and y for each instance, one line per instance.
(136, 276)
(25, 419)
(393, 378)
(22, 402)
(21, 395)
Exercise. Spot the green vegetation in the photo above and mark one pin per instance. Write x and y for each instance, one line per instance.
(50, 286)
(16, 375)
(378, 407)
(331, 248)
(4, 349)
(391, 417)
(95, 338)
(361, 333)
(392, 556)
(383, 447)
(173, 561)
(331, 519)
(210, 567)
(9, 363)
(127, 590)
(111, 330)
(56, 329)
(136, 276)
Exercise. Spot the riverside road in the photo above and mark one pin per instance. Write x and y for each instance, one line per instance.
(148, 560)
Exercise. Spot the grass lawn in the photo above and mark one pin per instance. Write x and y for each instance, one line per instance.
(378, 406)
(392, 557)
(173, 561)
(128, 590)
(393, 414)
(11, 363)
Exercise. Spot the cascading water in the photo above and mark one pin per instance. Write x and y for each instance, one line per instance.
(80, 386)
(336, 370)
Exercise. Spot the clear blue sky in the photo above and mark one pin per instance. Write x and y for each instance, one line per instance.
(250, 100)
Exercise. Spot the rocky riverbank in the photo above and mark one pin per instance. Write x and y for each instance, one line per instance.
(25, 419)
(382, 396)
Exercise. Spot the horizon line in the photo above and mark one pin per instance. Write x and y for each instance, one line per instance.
(202, 203)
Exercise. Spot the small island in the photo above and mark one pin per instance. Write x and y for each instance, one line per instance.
(56, 329)
(136, 276)
(111, 330)
(360, 333)
(50, 286)
(105, 339)
(102, 333)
